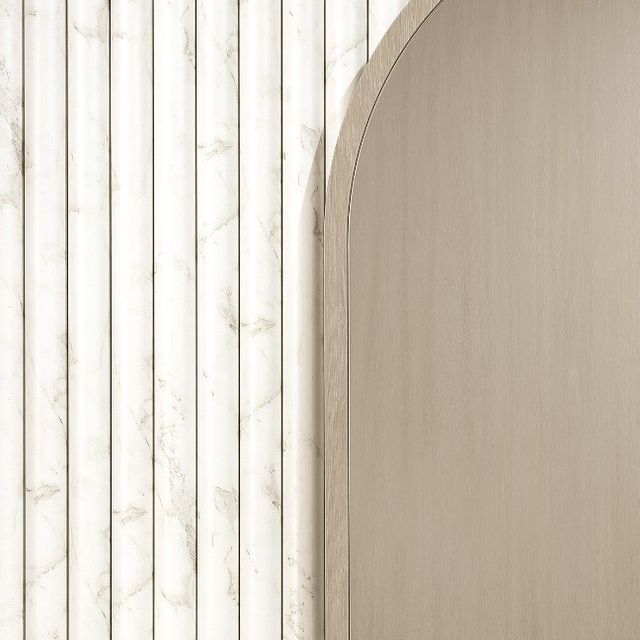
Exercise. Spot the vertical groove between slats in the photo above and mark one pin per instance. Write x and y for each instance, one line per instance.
(195, 259)
(213, 390)
(24, 326)
(153, 319)
(239, 280)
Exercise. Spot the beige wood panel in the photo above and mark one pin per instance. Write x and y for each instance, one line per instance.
(338, 199)
(494, 261)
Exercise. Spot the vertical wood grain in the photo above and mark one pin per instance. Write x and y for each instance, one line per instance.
(11, 321)
(345, 55)
(45, 320)
(303, 202)
(335, 317)
(503, 341)
(218, 321)
(260, 320)
(89, 320)
(132, 319)
(175, 319)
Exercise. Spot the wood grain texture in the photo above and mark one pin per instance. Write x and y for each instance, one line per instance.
(492, 300)
(335, 314)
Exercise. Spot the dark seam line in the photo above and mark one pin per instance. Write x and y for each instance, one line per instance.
(282, 262)
(195, 154)
(368, 27)
(110, 347)
(110, 343)
(24, 358)
(66, 223)
(238, 177)
(153, 325)
(324, 205)
(368, 35)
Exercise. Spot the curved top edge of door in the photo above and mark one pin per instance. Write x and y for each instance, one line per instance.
(336, 381)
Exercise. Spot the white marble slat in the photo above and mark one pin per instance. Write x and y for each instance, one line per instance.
(382, 13)
(11, 305)
(260, 320)
(218, 324)
(132, 318)
(45, 320)
(89, 320)
(303, 209)
(175, 319)
(345, 55)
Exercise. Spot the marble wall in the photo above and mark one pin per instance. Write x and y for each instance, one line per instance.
(162, 176)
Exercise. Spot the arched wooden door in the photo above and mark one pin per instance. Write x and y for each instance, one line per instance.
(482, 325)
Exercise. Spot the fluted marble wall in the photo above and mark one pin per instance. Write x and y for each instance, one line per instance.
(161, 446)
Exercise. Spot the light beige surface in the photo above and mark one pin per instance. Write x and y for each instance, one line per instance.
(494, 372)
(335, 312)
